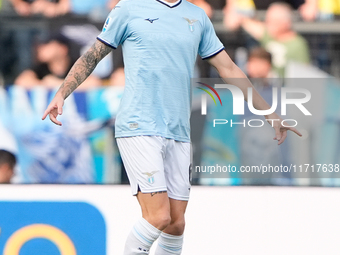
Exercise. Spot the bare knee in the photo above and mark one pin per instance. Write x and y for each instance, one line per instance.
(176, 227)
(159, 219)
(155, 208)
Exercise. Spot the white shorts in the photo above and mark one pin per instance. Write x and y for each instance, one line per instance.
(155, 163)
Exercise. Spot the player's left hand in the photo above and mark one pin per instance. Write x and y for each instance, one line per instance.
(280, 131)
(54, 109)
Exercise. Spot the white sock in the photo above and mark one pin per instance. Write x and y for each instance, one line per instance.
(141, 237)
(169, 244)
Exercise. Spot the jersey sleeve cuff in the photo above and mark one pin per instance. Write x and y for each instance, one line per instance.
(106, 43)
(213, 54)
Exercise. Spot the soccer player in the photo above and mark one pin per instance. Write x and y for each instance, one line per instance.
(160, 40)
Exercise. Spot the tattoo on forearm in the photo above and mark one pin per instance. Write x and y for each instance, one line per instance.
(84, 67)
(158, 192)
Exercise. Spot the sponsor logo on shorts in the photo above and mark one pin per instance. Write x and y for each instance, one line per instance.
(150, 176)
(133, 125)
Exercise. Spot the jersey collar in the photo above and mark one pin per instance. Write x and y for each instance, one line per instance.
(170, 5)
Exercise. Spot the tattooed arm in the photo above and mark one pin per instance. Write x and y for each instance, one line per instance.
(83, 67)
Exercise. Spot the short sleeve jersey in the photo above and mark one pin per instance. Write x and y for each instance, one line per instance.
(160, 43)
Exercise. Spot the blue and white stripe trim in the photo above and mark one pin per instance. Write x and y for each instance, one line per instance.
(214, 53)
(167, 4)
(148, 242)
(106, 43)
(168, 248)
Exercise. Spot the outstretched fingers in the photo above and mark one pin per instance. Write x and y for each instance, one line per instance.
(281, 133)
(295, 131)
(53, 118)
(53, 111)
(47, 112)
(283, 137)
(60, 109)
(277, 133)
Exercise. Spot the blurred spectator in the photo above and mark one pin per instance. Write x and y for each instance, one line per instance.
(233, 10)
(118, 77)
(112, 3)
(277, 37)
(253, 4)
(204, 5)
(16, 40)
(322, 10)
(265, 4)
(95, 10)
(7, 165)
(309, 10)
(2, 82)
(248, 7)
(47, 8)
(53, 65)
(257, 147)
(217, 4)
(259, 64)
(319, 9)
(8, 150)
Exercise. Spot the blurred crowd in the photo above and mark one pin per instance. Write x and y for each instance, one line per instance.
(55, 8)
(38, 56)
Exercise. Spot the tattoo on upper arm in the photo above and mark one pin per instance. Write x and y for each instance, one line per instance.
(97, 52)
(84, 67)
(158, 192)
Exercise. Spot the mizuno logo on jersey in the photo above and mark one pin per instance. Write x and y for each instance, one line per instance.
(151, 20)
(191, 23)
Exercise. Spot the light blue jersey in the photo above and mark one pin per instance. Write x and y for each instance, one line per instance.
(160, 45)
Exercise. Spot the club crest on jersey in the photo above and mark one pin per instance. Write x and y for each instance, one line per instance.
(191, 23)
(151, 179)
(107, 22)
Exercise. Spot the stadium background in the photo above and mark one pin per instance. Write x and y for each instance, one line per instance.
(277, 215)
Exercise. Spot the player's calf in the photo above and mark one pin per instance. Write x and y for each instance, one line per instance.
(156, 217)
(141, 238)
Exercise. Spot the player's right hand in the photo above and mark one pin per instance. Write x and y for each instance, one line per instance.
(54, 109)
